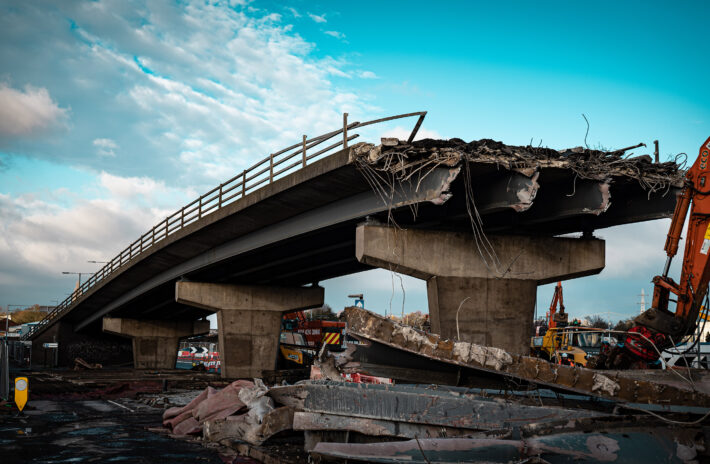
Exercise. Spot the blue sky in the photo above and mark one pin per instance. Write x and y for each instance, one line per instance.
(113, 113)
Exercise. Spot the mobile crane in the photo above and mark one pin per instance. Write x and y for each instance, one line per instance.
(658, 328)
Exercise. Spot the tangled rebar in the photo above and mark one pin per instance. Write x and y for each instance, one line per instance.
(397, 162)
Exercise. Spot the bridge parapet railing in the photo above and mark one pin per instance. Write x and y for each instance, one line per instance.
(261, 174)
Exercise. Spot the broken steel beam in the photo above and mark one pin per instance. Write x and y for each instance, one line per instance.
(615, 385)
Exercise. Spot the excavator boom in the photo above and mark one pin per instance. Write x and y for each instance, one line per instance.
(658, 327)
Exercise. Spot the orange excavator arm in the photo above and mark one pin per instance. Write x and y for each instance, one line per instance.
(659, 324)
(555, 317)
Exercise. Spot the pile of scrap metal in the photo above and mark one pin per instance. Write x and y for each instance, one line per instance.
(496, 407)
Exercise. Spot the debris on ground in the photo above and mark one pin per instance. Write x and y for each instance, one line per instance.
(81, 364)
(522, 415)
(662, 387)
(517, 414)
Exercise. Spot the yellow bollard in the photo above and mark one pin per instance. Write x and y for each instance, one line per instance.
(21, 392)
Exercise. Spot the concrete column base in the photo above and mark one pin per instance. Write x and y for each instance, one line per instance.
(248, 342)
(155, 343)
(501, 297)
(248, 320)
(491, 312)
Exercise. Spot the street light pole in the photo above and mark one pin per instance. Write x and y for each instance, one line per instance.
(78, 273)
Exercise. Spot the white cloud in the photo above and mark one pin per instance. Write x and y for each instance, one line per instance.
(336, 34)
(633, 249)
(189, 93)
(105, 147)
(236, 84)
(43, 239)
(368, 75)
(294, 12)
(27, 112)
(319, 19)
(403, 134)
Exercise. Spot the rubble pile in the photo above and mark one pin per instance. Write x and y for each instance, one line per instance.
(240, 410)
(405, 160)
(576, 416)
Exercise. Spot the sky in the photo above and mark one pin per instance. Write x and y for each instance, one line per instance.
(114, 114)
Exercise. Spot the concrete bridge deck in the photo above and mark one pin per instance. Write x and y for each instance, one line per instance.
(300, 229)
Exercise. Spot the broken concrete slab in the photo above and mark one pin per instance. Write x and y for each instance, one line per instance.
(416, 405)
(615, 385)
(608, 446)
(309, 421)
(403, 160)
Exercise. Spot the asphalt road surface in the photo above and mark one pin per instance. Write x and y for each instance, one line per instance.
(92, 431)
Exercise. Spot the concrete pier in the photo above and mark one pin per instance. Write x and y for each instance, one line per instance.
(155, 343)
(486, 302)
(248, 320)
(93, 346)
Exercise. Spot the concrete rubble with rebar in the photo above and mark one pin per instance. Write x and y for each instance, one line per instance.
(498, 408)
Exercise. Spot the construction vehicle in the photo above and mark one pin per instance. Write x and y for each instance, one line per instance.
(558, 342)
(659, 328)
(301, 339)
(294, 353)
(317, 331)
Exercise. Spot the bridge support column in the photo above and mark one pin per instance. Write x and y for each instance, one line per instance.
(155, 343)
(486, 302)
(248, 320)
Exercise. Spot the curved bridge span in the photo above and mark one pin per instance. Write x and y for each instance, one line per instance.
(258, 244)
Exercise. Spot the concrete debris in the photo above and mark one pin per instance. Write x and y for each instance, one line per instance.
(641, 446)
(81, 364)
(413, 404)
(604, 384)
(486, 356)
(552, 414)
(614, 385)
(405, 160)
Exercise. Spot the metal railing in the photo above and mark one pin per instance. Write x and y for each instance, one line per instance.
(259, 175)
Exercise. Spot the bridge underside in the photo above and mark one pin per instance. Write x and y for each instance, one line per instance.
(301, 229)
